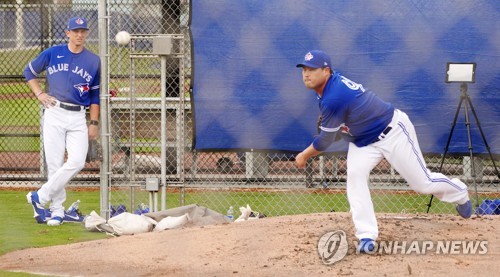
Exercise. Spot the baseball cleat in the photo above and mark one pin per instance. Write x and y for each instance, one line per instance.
(55, 221)
(366, 246)
(39, 211)
(75, 216)
(465, 210)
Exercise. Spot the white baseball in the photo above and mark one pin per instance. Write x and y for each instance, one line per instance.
(122, 37)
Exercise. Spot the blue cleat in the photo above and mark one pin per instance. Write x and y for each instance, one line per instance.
(465, 210)
(55, 221)
(39, 210)
(366, 246)
(75, 216)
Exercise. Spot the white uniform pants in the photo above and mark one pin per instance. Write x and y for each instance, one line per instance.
(400, 148)
(62, 130)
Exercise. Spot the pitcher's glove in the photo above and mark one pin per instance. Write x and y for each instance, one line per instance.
(95, 151)
(318, 125)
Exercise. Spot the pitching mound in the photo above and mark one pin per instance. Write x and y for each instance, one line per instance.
(280, 246)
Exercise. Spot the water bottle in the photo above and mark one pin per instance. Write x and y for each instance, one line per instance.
(142, 209)
(230, 213)
(73, 207)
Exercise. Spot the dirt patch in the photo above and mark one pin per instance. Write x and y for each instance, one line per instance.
(277, 246)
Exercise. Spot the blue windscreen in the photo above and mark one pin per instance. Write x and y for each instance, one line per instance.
(248, 94)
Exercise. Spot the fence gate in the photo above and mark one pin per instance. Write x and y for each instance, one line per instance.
(147, 109)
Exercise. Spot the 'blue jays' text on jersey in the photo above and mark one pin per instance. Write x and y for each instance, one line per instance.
(72, 78)
(357, 113)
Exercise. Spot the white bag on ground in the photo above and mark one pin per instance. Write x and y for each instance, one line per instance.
(171, 222)
(128, 224)
(92, 220)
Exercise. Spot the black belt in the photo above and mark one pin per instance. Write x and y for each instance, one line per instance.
(70, 107)
(383, 134)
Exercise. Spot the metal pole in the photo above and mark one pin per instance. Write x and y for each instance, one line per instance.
(19, 25)
(163, 84)
(104, 99)
(181, 124)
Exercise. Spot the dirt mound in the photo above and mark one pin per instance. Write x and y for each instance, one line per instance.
(277, 246)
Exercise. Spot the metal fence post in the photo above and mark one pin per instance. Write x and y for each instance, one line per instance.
(104, 100)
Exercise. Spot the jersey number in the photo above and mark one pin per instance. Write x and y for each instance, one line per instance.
(352, 85)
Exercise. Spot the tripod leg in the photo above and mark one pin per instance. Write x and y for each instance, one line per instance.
(453, 124)
(482, 135)
(430, 203)
(469, 138)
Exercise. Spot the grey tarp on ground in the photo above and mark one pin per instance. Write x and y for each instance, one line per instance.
(200, 216)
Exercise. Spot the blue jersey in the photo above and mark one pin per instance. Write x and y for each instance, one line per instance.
(349, 108)
(72, 78)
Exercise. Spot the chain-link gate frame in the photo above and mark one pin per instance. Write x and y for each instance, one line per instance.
(134, 171)
(135, 152)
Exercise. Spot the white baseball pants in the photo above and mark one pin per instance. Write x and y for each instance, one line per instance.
(62, 130)
(400, 148)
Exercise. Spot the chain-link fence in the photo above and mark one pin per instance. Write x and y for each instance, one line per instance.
(26, 29)
(149, 127)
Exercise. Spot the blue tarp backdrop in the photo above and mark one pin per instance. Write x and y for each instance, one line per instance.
(247, 93)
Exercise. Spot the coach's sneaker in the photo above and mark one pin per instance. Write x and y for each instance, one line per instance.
(74, 216)
(39, 210)
(48, 214)
(465, 210)
(55, 221)
(366, 246)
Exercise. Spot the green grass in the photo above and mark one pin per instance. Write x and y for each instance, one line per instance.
(16, 274)
(17, 60)
(20, 144)
(19, 112)
(289, 203)
(19, 229)
(19, 116)
(15, 88)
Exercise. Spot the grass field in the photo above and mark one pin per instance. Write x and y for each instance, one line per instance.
(22, 231)
(19, 230)
(19, 112)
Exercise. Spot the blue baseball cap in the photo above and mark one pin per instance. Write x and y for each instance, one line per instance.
(316, 59)
(77, 23)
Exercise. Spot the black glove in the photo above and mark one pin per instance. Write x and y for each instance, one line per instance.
(318, 125)
(95, 151)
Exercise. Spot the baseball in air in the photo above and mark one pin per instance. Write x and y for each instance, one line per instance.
(122, 37)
